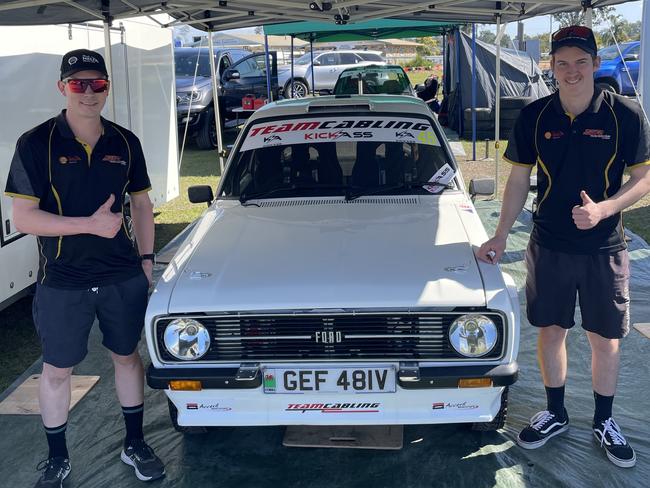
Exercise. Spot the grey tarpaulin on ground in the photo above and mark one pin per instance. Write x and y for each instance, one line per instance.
(433, 456)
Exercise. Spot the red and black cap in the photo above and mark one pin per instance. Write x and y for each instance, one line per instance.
(82, 60)
(577, 36)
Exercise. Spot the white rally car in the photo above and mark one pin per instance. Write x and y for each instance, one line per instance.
(332, 280)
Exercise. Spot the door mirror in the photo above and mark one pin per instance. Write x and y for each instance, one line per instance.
(316, 62)
(232, 74)
(200, 194)
(631, 57)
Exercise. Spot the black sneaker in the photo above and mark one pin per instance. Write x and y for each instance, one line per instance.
(147, 465)
(55, 470)
(542, 427)
(609, 434)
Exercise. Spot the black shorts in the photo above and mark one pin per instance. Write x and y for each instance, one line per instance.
(63, 319)
(600, 280)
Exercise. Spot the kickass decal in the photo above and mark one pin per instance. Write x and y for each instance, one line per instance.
(350, 128)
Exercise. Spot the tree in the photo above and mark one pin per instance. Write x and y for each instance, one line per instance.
(599, 15)
(428, 46)
(621, 29)
(490, 37)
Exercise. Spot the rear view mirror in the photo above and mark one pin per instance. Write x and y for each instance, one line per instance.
(481, 186)
(200, 194)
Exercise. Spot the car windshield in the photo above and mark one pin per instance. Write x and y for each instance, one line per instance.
(608, 53)
(388, 81)
(340, 156)
(186, 64)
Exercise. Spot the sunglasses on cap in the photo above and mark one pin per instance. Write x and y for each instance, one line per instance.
(81, 85)
(573, 32)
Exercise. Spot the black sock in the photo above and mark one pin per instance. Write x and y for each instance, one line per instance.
(603, 407)
(133, 421)
(56, 441)
(555, 401)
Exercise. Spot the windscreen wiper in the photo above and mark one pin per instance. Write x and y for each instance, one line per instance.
(244, 197)
(378, 190)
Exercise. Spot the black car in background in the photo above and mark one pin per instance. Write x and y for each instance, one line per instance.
(239, 72)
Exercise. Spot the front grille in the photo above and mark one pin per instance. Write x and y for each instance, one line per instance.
(359, 336)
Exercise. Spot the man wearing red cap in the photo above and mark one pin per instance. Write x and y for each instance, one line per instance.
(69, 177)
(581, 140)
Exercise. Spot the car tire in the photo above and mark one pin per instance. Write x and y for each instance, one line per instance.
(300, 88)
(606, 86)
(206, 136)
(173, 415)
(500, 419)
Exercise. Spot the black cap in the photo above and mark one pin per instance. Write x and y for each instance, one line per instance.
(576, 36)
(82, 60)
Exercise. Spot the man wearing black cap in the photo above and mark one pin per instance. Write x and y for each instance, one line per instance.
(69, 177)
(581, 140)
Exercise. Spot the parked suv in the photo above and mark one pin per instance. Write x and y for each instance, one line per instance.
(613, 74)
(327, 68)
(240, 73)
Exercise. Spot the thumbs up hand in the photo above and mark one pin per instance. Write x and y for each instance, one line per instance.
(588, 214)
(103, 222)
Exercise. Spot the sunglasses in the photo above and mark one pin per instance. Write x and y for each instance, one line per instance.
(573, 32)
(80, 86)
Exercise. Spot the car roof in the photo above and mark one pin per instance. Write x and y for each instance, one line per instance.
(372, 67)
(204, 48)
(401, 104)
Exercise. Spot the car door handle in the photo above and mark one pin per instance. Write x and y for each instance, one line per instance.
(624, 70)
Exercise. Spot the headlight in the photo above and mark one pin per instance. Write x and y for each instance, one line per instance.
(186, 339)
(189, 97)
(473, 335)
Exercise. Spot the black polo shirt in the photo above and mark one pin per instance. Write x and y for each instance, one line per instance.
(66, 178)
(589, 152)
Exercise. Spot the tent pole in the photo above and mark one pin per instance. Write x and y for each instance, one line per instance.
(589, 17)
(267, 60)
(644, 66)
(497, 103)
(473, 92)
(291, 82)
(458, 86)
(311, 54)
(221, 151)
(109, 67)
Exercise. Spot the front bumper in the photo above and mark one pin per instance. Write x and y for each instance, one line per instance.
(433, 398)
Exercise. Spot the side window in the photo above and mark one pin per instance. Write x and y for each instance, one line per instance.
(224, 64)
(328, 59)
(249, 68)
(349, 58)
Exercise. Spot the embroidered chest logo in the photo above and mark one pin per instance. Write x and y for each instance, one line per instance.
(69, 159)
(114, 160)
(553, 134)
(597, 134)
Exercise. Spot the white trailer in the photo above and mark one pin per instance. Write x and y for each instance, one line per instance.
(144, 100)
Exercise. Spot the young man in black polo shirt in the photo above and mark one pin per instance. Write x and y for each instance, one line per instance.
(69, 177)
(581, 140)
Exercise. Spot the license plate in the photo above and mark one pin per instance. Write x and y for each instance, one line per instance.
(330, 380)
